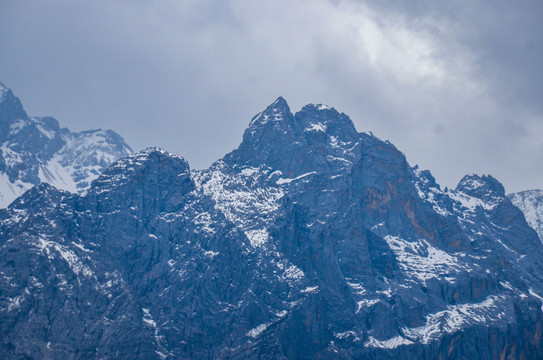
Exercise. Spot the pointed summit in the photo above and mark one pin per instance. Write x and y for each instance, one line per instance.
(8, 101)
(3, 90)
(277, 111)
(317, 138)
(11, 109)
(267, 130)
(280, 103)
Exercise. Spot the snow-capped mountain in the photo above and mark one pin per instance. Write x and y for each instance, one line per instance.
(311, 240)
(531, 204)
(36, 149)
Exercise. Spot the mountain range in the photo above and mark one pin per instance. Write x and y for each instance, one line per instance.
(35, 150)
(310, 240)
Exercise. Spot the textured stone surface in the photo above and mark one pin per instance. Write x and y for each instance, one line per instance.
(310, 240)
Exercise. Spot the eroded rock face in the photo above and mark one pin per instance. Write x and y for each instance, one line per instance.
(310, 240)
(35, 150)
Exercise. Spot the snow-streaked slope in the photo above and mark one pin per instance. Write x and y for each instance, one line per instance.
(531, 204)
(310, 240)
(82, 159)
(36, 149)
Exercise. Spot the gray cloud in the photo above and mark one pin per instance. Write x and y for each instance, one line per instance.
(456, 86)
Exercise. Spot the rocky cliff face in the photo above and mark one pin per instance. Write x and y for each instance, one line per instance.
(35, 150)
(310, 240)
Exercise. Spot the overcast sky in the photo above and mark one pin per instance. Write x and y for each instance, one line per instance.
(457, 85)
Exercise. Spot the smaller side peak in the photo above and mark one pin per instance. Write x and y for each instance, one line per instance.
(149, 154)
(151, 157)
(319, 107)
(152, 180)
(148, 163)
(425, 176)
(155, 149)
(532, 192)
(38, 196)
(479, 186)
(108, 135)
(319, 116)
(48, 122)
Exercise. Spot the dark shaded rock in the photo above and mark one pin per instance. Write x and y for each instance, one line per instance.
(309, 241)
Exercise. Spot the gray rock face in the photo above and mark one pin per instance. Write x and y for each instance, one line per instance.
(530, 202)
(35, 150)
(310, 240)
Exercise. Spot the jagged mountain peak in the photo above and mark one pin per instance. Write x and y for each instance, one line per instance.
(276, 112)
(3, 90)
(480, 186)
(280, 104)
(312, 117)
(282, 140)
(11, 109)
(37, 149)
(314, 240)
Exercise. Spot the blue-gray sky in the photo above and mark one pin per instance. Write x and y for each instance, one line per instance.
(457, 86)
